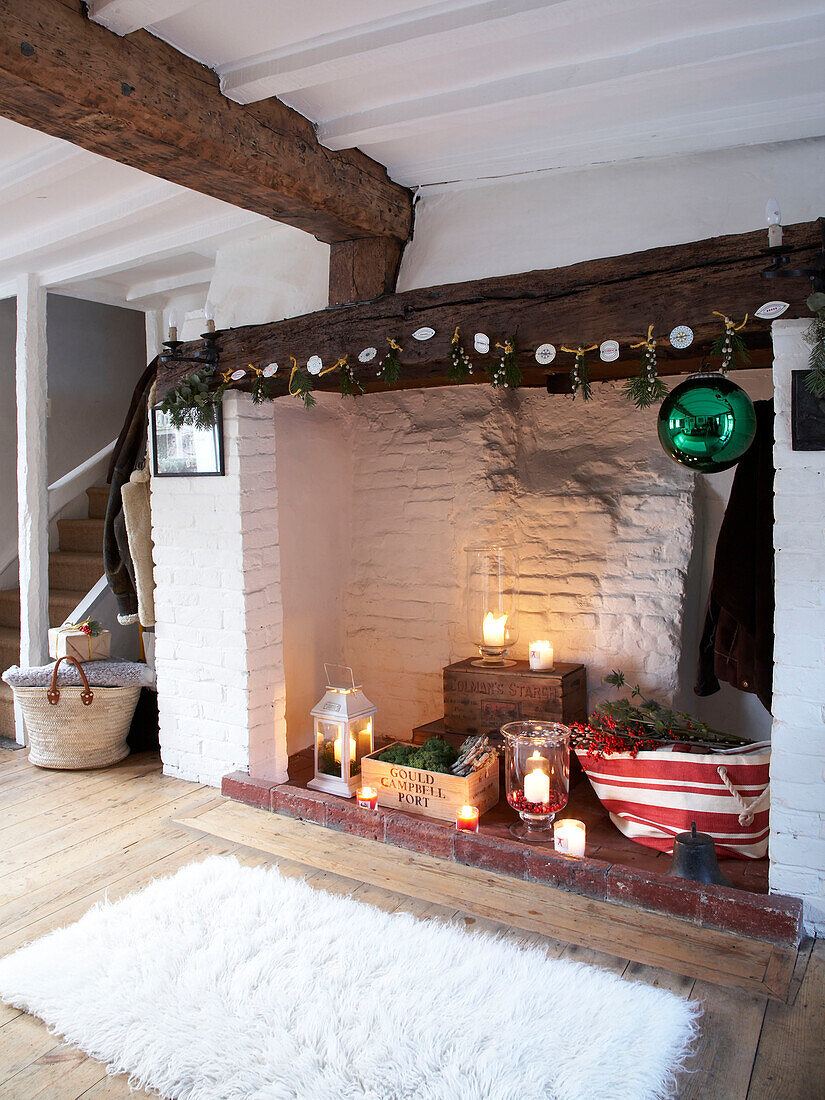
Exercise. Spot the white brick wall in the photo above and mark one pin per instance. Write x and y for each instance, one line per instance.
(797, 845)
(219, 646)
(604, 519)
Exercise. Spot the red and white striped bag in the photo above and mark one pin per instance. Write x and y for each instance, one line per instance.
(654, 796)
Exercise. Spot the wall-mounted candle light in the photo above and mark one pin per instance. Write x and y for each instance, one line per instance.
(773, 216)
(173, 326)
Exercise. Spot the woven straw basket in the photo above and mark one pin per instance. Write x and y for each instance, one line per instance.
(75, 727)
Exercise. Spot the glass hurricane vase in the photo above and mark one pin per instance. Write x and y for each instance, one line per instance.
(537, 775)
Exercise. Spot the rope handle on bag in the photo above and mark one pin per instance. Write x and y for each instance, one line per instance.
(749, 809)
(53, 694)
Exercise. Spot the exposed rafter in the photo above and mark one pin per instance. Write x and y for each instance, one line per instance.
(125, 16)
(139, 101)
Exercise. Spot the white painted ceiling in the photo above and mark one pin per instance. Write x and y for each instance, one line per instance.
(459, 90)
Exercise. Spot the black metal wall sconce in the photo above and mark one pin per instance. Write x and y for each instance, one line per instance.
(206, 354)
(780, 265)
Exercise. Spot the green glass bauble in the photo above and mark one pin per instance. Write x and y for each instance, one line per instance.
(707, 423)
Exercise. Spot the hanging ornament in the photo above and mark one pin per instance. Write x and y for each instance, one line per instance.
(545, 354)
(609, 351)
(647, 387)
(707, 423)
(460, 365)
(424, 333)
(301, 384)
(580, 374)
(815, 336)
(367, 355)
(770, 310)
(481, 342)
(237, 375)
(350, 386)
(315, 365)
(260, 387)
(729, 345)
(681, 337)
(505, 374)
(390, 369)
(270, 370)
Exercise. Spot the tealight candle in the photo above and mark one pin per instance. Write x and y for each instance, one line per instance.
(367, 797)
(541, 656)
(569, 837)
(466, 819)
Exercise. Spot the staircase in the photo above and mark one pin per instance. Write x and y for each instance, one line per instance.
(73, 570)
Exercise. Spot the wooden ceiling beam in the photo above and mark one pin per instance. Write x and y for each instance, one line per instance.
(139, 101)
(614, 298)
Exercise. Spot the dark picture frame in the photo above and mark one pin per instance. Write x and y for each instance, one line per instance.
(807, 415)
(187, 451)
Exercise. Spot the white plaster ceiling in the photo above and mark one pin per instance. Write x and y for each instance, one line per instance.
(459, 90)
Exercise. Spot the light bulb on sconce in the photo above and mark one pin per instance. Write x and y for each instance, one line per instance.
(209, 314)
(773, 216)
(173, 326)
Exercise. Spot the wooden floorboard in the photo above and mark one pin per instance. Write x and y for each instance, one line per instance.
(71, 838)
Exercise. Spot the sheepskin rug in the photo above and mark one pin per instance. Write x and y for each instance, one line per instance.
(225, 982)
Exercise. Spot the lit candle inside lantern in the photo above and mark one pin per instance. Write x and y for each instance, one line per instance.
(537, 781)
(541, 656)
(494, 629)
(569, 836)
(367, 797)
(466, 819)
(337, 748)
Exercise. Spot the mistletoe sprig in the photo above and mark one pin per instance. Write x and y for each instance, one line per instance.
(580, 374)
(460, 366)
(390, 369)
(729, 345)
(647, 387)
(350, 386)
(815, 337)
(505, 374)
(261, 389)
(623, 725)
(301, 384)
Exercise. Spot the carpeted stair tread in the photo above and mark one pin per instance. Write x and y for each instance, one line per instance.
(98, 499)
(83, 535)
(73, 569)
(62, 602)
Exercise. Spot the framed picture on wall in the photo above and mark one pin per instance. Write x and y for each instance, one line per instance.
(187, 451)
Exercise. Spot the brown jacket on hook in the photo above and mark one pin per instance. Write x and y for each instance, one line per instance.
(737, 640)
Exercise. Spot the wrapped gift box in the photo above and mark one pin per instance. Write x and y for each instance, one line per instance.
(71, 641)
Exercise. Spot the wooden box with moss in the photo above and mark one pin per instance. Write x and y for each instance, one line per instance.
(418, 780)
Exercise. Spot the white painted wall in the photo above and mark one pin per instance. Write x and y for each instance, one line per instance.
(797, 843)
(552, 219)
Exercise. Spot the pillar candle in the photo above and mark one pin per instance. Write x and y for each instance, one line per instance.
(541, 656)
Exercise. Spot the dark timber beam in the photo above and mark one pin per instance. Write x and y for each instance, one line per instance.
(363, 269)
(139, 101)
(585, 303)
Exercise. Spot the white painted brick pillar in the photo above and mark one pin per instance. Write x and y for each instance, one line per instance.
(219, 647)
(797, 843)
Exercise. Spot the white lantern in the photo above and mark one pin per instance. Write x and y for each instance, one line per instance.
(344, 733)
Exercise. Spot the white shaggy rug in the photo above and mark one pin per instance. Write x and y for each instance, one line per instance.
(231, 983)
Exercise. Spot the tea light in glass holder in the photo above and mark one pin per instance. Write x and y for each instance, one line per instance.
(541, 656)
(367, 797)
(569, 836)
(466, 819)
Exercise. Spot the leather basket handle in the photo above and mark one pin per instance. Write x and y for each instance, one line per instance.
(53, 694)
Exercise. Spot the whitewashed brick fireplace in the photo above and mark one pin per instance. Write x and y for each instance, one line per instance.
(363, 562)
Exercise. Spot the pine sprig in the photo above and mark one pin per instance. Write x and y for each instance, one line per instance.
(193, 401)
(261, 390)
(646, 387)
(505, 374)
(390, 369)
(729, 346)
(815, 336)
(460, 366)
(580, 374)
(350, 386)
(301, 384)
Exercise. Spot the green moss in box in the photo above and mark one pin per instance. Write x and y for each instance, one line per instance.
(435, 755)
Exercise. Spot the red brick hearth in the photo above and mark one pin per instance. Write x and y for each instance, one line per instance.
(615, 870)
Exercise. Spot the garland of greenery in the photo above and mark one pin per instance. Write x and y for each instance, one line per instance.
(301, 384)
(729, 345)
(505, 373)
(580, 374)
(815, 336)
(390, 369)
(647, 387)
(192, 401)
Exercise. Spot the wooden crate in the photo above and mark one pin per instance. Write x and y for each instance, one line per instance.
(431, 794)
(481, 700)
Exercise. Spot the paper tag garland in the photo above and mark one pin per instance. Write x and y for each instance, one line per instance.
(608, 351)
(770, 310)
(545, 354)
(481, 342)
(424, 333)
(315, 364)
(367, 355)
(681, 337)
